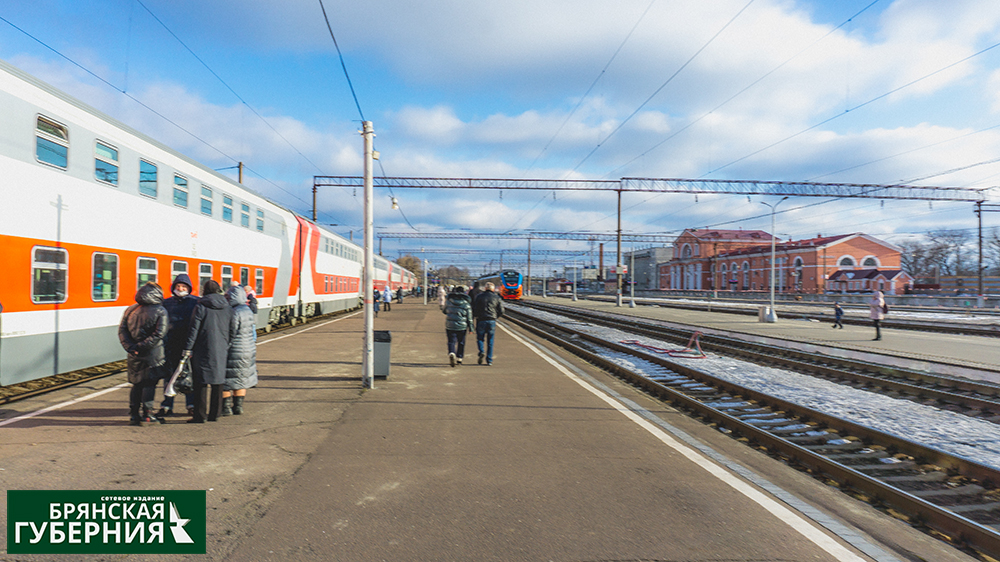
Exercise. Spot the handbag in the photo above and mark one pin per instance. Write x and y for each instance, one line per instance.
(185, 382)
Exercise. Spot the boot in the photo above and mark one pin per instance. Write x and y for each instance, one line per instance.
(238, 405)
(227, 406)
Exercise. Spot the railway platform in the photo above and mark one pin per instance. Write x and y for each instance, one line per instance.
(539, 457)
(970, 356)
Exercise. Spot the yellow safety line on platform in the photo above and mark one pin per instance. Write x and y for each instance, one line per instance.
(789, 517)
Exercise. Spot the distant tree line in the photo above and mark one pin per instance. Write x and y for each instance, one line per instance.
(951, 252)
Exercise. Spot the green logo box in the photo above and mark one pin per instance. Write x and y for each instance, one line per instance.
(106, 522)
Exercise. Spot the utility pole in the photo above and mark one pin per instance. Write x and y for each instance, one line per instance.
(240, 166)
(368, 350)
(980, 209)
(529, 266)
(618, 268)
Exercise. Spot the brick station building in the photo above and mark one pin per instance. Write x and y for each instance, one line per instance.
(740, 260)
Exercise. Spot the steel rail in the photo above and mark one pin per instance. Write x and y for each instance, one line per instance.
(941, 519)
(943, 389)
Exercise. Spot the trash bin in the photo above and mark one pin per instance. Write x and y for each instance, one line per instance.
(762, 314)
(383, 347)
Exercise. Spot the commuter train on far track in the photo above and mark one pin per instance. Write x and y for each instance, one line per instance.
(91, 209)
(508, 282)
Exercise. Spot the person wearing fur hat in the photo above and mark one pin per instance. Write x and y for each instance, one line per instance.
(141, 333)
(241, 363)
(179, 308)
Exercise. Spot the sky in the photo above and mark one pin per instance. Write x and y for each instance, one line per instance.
(839, 91)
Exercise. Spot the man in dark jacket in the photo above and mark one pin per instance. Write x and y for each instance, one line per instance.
(208, 346)
(179, 308)
(487, 308)
(141, 334)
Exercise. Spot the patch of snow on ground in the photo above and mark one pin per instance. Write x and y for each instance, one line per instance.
(973, 439)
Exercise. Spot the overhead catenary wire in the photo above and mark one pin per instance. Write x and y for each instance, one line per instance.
(343, 65)
(852, 109)
(658, 90)
(228, 87)
(592, 84)
(144, 105)
(743, 90)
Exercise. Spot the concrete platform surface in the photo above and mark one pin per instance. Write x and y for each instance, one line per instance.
(538, 457)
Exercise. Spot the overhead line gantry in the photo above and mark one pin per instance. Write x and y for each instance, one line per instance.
(668, 185)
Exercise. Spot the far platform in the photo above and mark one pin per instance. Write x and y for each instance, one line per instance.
(539, 457)
(975, 357)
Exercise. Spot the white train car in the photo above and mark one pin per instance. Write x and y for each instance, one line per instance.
(91, 209)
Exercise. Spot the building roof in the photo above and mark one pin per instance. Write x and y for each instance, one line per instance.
(817, 242)
(856, 274)
(709, 234)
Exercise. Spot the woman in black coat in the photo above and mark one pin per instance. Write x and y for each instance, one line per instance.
(141, 333)
(207, 346)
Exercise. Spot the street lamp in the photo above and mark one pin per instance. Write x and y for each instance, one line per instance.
(771, 316)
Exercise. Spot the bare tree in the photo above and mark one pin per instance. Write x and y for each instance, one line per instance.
(414, 264)
(950, 250)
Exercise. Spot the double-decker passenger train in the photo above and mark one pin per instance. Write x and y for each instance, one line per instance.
(91, 209)
(508, 283)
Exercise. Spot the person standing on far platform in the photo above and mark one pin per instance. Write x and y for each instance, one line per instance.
(241, 361)
(179, 308)
(399, 295)
(487, 309)
(442, 294)
(376, 301)
(458, 322)
(878, 309)
(208, 347)
(475, 291)
(387, 298)
(838, 315)
(141, 333)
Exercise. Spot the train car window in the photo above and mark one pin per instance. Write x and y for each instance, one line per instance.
(106, 163)
(176, 268)
(180, 191)
(259, 282)
(245, 215)
(145, 272)
(206, 200)
(260, 220)
(105, 277)
(205, 275)
(147, 178)
(227, 208)
(52, 143)
(227, 277)
(49, 268)
(244, 276)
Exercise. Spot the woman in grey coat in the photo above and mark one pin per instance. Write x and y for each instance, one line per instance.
(241, 364)
(458, 322)
(208, 346)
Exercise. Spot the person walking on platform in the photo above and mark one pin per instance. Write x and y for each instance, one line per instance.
(458, 322)
(878, 309)
(241, 361)
(387, 298)
(141, 333)
(475, 291)
(838, 315)
(179, 308)
(208, 346)
(376, 301)
(487, 308)
(399, 295)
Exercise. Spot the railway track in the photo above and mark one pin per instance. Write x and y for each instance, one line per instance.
(991, 329)
(21, 391)
(951, 496)
(968, 397)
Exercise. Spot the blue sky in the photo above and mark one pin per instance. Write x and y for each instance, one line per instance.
(479, 89)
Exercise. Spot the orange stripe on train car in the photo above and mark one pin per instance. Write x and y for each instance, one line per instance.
(16, 264)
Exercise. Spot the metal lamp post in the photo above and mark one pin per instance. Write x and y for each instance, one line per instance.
(771, 316)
